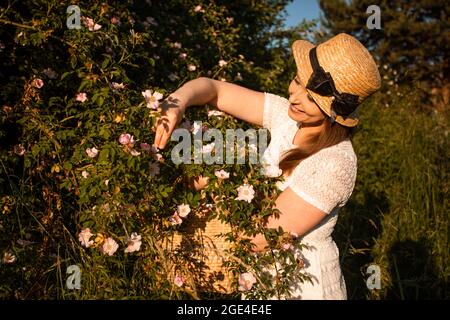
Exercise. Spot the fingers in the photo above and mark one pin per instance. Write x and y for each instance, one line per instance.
(158, 135)
(166, 134)
(163, 132)
(170, 113)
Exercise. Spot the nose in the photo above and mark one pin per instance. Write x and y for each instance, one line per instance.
(294, 98)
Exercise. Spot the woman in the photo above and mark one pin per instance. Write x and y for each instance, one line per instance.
(310, 143)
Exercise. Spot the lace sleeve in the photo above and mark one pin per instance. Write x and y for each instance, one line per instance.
(275, 111)
(325, 179)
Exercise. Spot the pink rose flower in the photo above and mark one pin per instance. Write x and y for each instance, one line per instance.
(81, 97)
(245, 193)
(246, 281)
(126, 139)
(152, 98)
(134, 243)
(92, 152)
(117, 86)
(286, 246)
(19, 150)
(199, 9)
(191, 67)
(38, 83)
(183, 210)
(222, 174)
(179, 280)
(109, 247)
(84, 237)
(115, 20)
(175, 219)
(89, 23)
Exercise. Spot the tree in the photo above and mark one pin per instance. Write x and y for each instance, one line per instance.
(412, 41)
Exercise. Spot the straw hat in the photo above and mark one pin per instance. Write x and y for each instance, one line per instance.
(350, 65)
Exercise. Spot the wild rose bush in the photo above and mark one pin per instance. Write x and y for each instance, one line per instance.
(81, 183)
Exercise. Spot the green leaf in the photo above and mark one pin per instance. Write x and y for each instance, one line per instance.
(83, 84)
(104, 154)
(94, 191)
(106, 62)
(65, 74)
(73, 61)
(67, 166)
(100, 101)
(105, 133)
(35, 150)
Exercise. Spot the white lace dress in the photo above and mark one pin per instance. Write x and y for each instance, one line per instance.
(326, 180)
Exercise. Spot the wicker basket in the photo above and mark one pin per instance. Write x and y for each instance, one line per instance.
(199, 242)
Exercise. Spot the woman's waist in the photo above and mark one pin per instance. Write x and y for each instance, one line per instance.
(323, 250)
(319, 237)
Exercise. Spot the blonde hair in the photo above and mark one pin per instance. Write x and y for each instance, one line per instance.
(331, 135)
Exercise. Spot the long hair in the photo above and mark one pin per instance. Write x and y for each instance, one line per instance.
(333, 134)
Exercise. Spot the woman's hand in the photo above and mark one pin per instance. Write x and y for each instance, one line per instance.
(172, 111)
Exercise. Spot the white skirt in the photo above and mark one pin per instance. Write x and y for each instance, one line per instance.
(322, 265)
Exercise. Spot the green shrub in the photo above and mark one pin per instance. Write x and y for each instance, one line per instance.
(80, 184)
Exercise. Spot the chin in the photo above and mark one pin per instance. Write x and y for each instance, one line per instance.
(296, 117)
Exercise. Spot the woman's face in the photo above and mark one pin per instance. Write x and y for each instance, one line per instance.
(302, 106)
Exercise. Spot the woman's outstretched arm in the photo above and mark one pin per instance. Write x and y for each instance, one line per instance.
(240, 102)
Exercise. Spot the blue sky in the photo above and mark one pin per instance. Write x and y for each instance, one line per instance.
(301, 9)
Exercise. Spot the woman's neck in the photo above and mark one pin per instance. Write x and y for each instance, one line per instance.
(306, 131)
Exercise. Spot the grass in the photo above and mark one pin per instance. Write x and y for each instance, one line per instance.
(398, 216)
